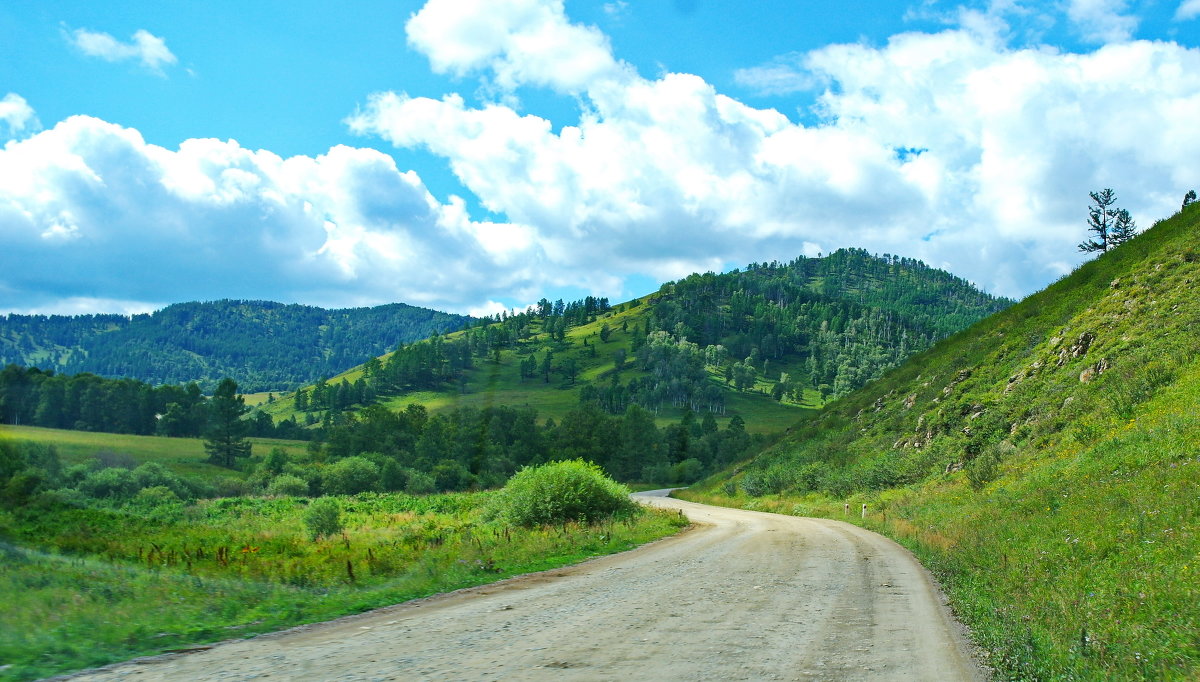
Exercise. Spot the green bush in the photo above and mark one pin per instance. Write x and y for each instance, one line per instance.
(559, 492)
(111, 482)
(323, 518)
(419, 483)
(286, 485)
(351, 475)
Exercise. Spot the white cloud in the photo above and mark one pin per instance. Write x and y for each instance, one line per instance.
(665, 176)
(518, 41)
(89, 210)
(780, 76)
(148, 49)
(1102, 21)
(16, 115)
(1188, 9)
(951, 147)
(86, 305)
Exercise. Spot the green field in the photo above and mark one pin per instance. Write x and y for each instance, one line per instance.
(104, 562)
(184, 456)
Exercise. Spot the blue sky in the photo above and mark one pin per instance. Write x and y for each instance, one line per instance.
(472, 155)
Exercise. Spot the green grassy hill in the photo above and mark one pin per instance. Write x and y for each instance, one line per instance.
(1044, 463)
(763, 344)
(497, 380)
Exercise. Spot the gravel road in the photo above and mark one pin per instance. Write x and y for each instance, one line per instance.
(743, 596)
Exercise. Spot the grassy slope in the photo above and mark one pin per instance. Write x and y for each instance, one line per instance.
(1075, 555)
(490, 383)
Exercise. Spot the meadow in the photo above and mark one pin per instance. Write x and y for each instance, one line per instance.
(183, 456)
(87, 586)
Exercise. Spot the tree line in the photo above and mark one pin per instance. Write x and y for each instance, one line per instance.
(470, 448)
(86, 402)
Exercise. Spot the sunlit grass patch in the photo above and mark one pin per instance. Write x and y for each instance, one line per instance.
(93, 586)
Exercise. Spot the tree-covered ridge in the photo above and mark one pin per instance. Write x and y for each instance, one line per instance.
(260, 344)
(847, 317)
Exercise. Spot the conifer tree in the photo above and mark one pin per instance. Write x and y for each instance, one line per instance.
(1110, 226)
(225, 438)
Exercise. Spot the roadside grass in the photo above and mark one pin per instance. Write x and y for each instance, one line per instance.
(184, 456)
(87, 587)
(1073, 567)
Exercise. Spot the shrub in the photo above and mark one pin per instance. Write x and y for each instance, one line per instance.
(392, 477)
(351, 475)
(153, 475)
(157, 502)
(21, 486)
(688, 471)
(11, 459)
(559, 492)
(287, 485)
(111, 482)
(276, 460)
(419, 483)
(323, 518)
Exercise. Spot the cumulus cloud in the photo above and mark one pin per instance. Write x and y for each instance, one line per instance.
(518, 41)
(89, 210)
(952, 146)
(1102, 21)
(948, 146)
(1188, 9)
(16, 115)
(144, 47)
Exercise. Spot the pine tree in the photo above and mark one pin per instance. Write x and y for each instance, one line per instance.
(1123, 229)
(1109, 225)
(225, 437)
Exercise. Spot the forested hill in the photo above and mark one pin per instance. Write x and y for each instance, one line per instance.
(262, 345)
(848, 316)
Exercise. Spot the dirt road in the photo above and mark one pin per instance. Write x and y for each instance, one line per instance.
(745, 596)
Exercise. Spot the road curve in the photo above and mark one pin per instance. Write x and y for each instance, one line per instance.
(744, 596)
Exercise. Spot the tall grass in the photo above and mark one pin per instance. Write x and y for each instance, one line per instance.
(86, 587)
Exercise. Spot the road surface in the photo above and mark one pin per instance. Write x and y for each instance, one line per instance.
(743, 596)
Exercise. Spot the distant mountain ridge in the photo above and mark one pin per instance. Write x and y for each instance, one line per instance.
(263, 345)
